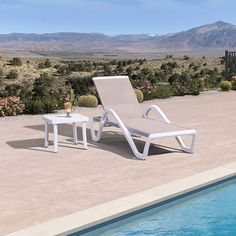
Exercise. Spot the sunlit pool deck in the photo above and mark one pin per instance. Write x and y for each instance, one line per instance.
(38, 185)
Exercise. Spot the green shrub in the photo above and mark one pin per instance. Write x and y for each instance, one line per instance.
(41, 65)
(47, 63)
(225, 85)
(186, 84)
(40, 105)
(1, 73)
(63, 70)
(59, 97)
(16, 61)
(178, 89)
(44, 65)
(13, 89)
(23, 90)
(194, 87)
(186, 57)
(49, 105)
(212, 81)
(233, 85)
(12, 75)
(87, 101)
(139, 95)
(233, 78)
(56, 66)
(42, 85)
(80, 85)
(163, 91)
(33, 106)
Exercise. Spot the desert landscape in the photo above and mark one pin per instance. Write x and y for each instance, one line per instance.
(40, 81)
(209, 40)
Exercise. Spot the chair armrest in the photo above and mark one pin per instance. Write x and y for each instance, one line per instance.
(157, 109)
(115, 116)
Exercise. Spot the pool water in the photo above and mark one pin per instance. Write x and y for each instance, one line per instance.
(211, 211)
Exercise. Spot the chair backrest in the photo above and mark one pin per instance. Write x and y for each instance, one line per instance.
(116, 92)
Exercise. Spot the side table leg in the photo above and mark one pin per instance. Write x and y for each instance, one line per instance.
(55, 133)
(45, 134)
(84, 135)
(75, 133)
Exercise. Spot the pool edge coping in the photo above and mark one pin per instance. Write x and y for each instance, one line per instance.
(110, 210)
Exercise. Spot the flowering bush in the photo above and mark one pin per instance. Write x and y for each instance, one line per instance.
(146, 87)
(69, 96)
(11, 106)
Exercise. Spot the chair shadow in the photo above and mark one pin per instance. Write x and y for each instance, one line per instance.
(112, 141)
(115, 142)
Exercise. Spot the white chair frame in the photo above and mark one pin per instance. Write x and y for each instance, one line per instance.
(96, 134)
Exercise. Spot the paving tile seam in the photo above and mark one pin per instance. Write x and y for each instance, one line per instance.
(107, 211)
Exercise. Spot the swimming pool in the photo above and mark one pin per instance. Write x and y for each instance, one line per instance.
(211, 211)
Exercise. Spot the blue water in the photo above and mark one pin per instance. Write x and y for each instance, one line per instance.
(208, 212)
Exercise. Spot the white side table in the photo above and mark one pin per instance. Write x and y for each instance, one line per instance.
(57, 119)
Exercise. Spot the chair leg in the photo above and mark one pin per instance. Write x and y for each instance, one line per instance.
(96, 134)
(139, 155)
(184, 147)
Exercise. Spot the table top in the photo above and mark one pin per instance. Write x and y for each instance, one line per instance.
(62, 118)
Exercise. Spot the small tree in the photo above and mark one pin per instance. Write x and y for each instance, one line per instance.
(12, 75)
(107, 69)
(1, 79)
(41, 65)
(120, 68)
(13, 89)
(16, 61)
(42, 85)
(1, 73)
(47, 63)
(186, 57)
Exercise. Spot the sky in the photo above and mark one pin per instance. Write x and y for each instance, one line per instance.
(112, 17)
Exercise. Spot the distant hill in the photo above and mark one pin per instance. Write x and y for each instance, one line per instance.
(219, 34)
(211, 39)
(52, 37)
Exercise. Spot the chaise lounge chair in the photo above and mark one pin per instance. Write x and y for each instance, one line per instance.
(121, 109)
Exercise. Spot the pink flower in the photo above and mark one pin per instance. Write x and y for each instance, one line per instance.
(11, 106)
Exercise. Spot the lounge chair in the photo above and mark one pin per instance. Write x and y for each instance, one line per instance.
(121, 109)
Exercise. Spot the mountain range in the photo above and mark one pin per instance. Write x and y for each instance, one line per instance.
(208, 40)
